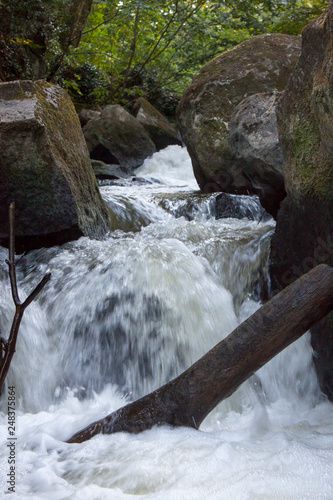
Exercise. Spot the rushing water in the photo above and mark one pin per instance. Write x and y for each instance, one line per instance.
(122, 316)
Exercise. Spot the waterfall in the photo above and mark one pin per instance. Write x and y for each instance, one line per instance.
(121, 317)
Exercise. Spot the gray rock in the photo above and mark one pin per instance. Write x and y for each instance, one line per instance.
(253, 131)
(116, 137)
(85, 115)
(44, 164)
(254, 142)
(160, 130)
(304, 230)
(104, 171)
(258, 65)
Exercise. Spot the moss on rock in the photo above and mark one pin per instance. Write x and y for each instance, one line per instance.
(44, 164)
(258, 65)
(304, 228)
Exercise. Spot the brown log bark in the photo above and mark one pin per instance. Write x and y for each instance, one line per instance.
(188, 399)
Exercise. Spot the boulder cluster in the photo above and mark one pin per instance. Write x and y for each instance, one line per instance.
(256, 120)
(49, 165)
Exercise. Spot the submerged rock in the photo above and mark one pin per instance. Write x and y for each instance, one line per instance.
(160, 130)
(304, 231)
(258, 65)
(116, 137)
(45, 167)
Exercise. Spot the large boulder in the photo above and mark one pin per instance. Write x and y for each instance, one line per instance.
(304, 231)
(258, 65)
(254, 142)
(116, 137)
(160, 130)
(44, 165)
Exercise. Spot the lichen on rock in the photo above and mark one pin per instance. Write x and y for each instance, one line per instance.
(304, 231)
(258, 65)
(44, 164)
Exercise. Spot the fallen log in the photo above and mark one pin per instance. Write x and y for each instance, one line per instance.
(189, 398)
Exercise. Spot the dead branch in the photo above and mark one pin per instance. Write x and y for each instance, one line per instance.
(189, 398)
(8, 346)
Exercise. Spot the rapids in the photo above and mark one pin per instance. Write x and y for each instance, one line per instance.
(122, 316)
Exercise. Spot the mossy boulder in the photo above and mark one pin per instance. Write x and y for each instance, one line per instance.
(161, 131)
(304, 231)
(305, 115)
(116, 137)
(258, 65)
(45, 167)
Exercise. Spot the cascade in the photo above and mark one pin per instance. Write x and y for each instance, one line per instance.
(121, 317)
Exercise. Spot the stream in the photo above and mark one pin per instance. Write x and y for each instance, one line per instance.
(122, 316)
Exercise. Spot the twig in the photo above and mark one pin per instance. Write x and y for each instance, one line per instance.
(8, 346)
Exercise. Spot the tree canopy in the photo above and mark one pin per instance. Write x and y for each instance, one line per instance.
(116, 50)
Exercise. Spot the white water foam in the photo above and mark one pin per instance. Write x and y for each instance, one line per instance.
(169, 292)
(172, 166)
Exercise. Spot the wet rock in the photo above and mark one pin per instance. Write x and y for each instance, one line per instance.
(258, 65)
(116, 137)
(201, 207)
(45, 167)
(304, 228)
(104, 171)
(254, 142)
(160, 130)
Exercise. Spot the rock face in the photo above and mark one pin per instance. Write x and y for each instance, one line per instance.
(104, 171)
(254, 142)
(304, 232)
(116, 137)
(44, 165)
(259, 65)
(85, 115)
(160, 130)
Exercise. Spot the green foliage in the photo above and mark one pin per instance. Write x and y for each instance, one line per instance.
(25, 28)
(36, 32)
(134, 48)
(155, 47)
(297, 16)
(85, 84)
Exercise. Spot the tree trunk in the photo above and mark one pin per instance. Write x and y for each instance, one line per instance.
(75, 19)
(189, 398)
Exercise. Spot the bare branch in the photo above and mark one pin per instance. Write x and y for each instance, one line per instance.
(152, 56)
(157, 50)
(7, 347)
(133, 49)
(65, 52)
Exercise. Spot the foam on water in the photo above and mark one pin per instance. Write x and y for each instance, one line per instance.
(172, 166)
(121, 317)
